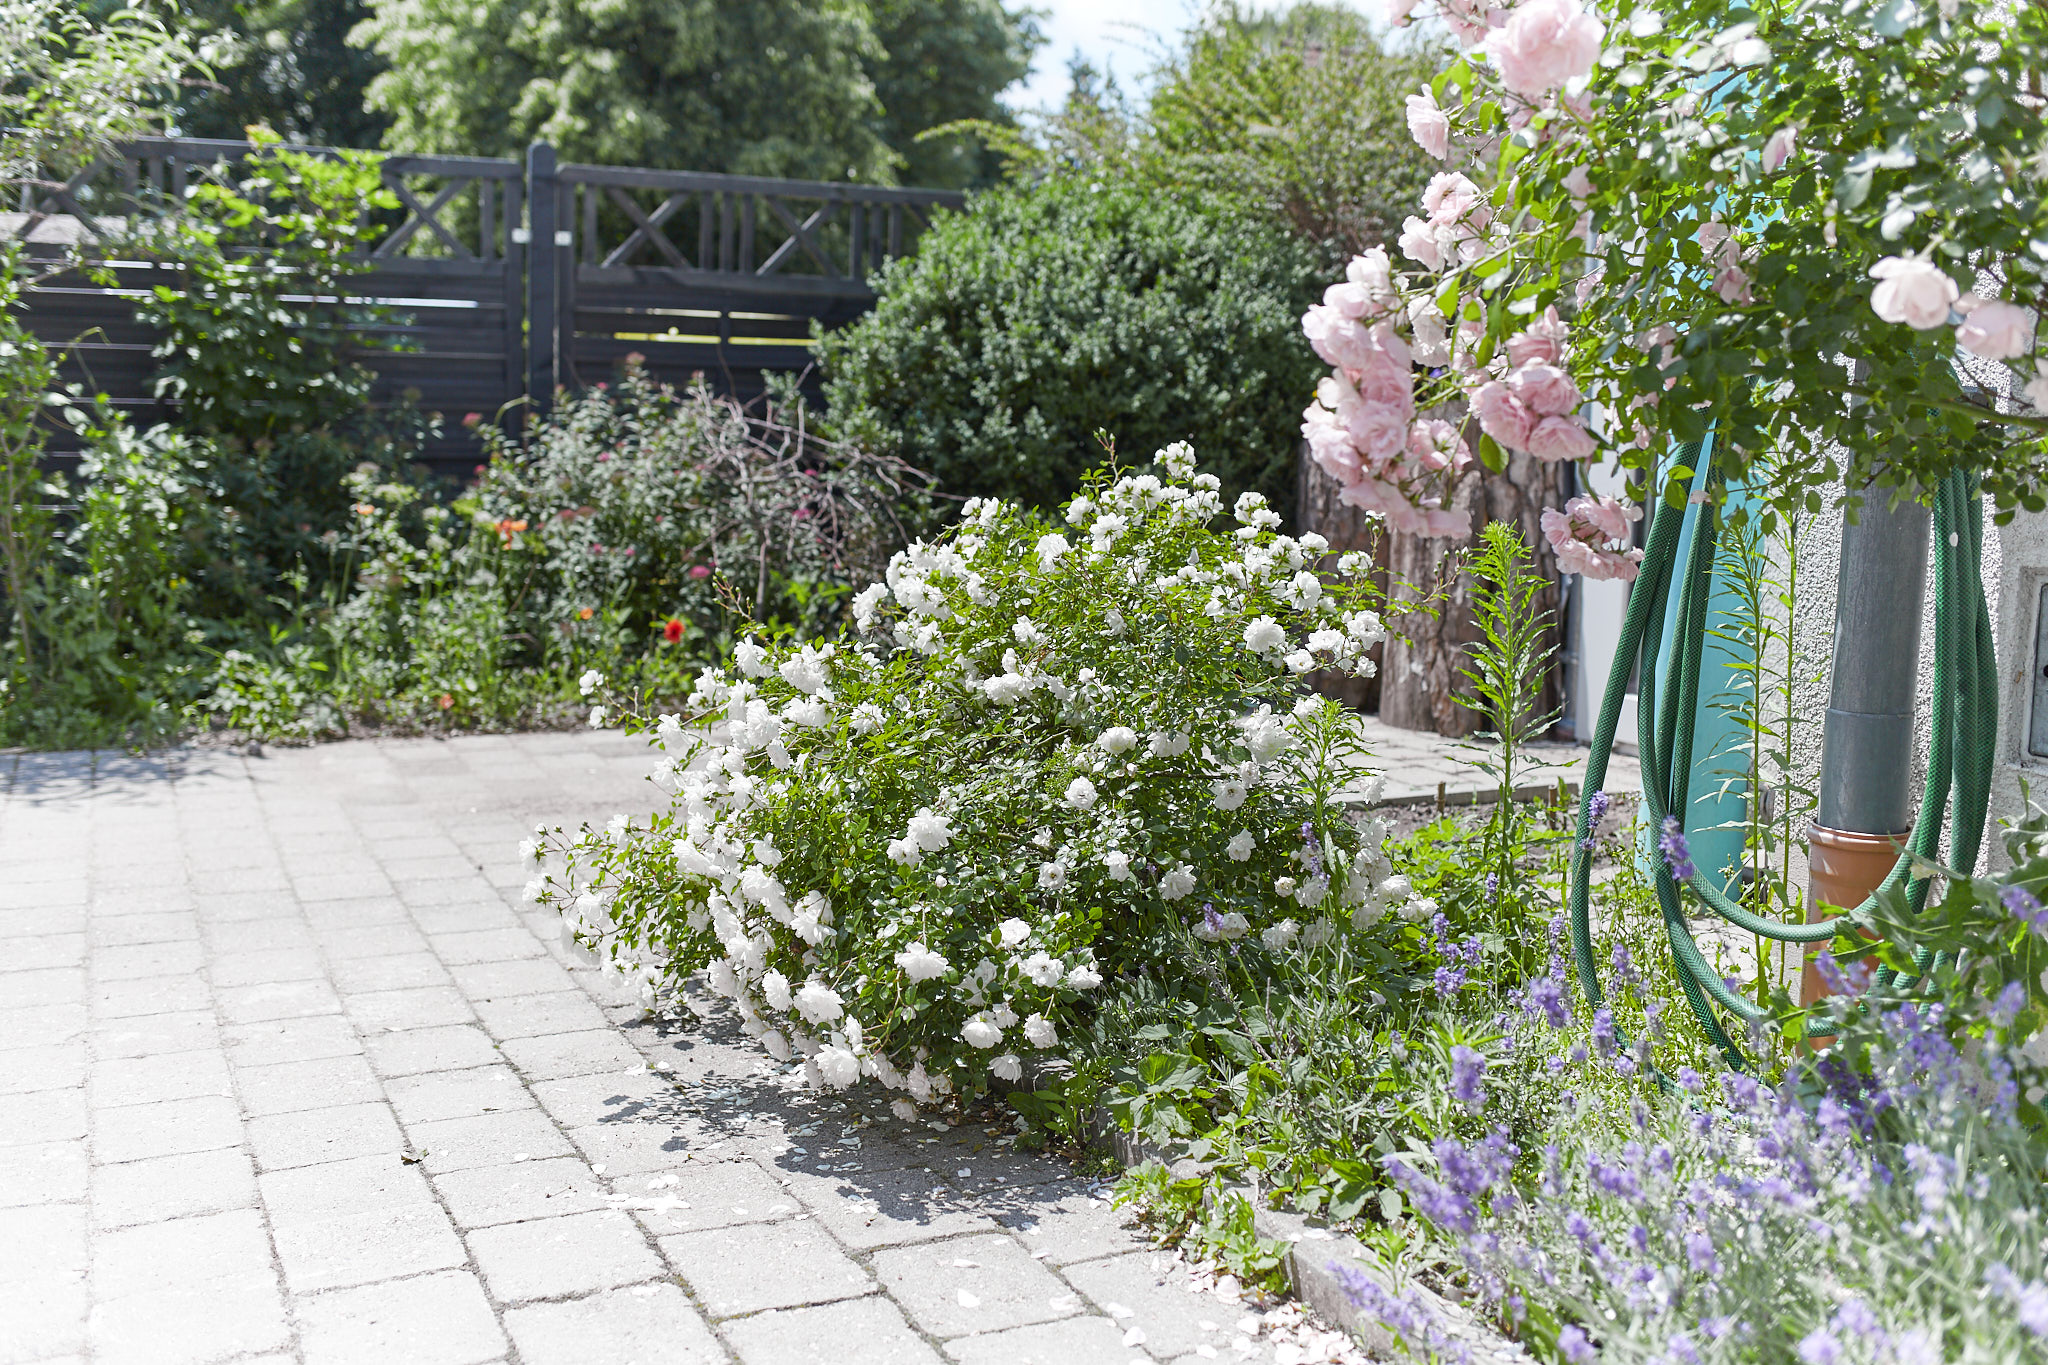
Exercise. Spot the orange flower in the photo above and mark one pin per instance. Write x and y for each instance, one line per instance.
(446, 701)
(672, 631)
(585, 613)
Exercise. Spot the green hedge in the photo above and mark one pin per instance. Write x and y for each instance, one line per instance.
(1045, 312)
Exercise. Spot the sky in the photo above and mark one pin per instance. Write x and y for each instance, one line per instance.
(1121, 35)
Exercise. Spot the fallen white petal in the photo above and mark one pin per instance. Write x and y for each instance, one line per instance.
(1116, 1310)
(1135, 1337)
(968, 1300)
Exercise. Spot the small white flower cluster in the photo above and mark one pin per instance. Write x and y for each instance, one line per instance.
(907, 856)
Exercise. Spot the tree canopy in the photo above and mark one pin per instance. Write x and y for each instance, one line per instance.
(815, 89)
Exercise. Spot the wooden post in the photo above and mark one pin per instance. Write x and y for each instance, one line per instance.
(543, 278)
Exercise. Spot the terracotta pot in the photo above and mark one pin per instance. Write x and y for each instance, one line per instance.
(1843, 868)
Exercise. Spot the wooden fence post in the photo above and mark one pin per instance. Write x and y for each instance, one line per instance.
(543, 278)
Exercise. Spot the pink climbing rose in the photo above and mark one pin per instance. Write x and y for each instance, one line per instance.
(1545, 44)
(1429, 125)
(1994, 329)
(1590, 537)
(1913, 291)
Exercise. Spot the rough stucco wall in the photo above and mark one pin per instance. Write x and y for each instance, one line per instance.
(2015, 564)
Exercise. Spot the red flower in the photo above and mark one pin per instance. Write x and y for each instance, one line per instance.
(672, 631)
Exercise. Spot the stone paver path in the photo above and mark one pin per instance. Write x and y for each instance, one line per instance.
(289, 1073)
(1416, 768)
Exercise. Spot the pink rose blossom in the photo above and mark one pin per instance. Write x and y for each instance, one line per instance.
(1502, 415)
(1329, 445)
(1732, 284)
(1556, 439)
(1588, 286)
(1347, 300)
(1429, 125)
(1452, 200)
(1994, 329)
(1913, 291)
(1471, 21)
(1380, 429)
(1340, 341)
(1429, 335)
(1397, 12)
(1584, 537)
(1542, 344)
(1545, 390)
(1372, 272)
(1779, 147)
(1419, 244)
(1545, 44)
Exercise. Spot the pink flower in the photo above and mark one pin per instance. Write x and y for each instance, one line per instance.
(1578, 184)
(1913, 291)
(1429, 125)
(1419, 244)
(1542, 344)
(1994, 329)
(1380, 429)
(1502, 415)
(1588, 286)
(1584, 536)
(1779, 147)
(1545, 390)
(1347, 300)
(1397, 12)
(1371, 271)
(1718, 244)
(1470, 20)
(1555, 439)
(1341, 341)
(1453, 200)
(1545, 44)
(1732, 284)
(1434, 445)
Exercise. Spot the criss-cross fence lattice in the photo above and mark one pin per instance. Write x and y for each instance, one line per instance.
(499, 281)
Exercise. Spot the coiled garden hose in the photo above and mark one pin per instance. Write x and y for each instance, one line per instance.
(1964, 739)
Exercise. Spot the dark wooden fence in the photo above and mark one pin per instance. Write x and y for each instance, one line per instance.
(502, 282)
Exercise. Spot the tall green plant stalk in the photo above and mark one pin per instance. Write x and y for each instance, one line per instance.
(26, 377)
(1506, 670)
(1755, 562)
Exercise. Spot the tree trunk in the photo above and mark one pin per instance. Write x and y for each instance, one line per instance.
(1425, 654)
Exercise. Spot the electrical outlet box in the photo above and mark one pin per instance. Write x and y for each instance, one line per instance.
(2037, 714)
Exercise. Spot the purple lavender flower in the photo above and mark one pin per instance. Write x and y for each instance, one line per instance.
(1596, 811)
(2025, 907)
(1699, 1254)
(1820, 1347)
(1603, 1032)
(1624, 968)
(2009, 1003)
(1676, 850)
(1449, 981)
(1468, 1077)
(1408, 1315)
(1572, 1343)
(1314, 849)
(1548, 998)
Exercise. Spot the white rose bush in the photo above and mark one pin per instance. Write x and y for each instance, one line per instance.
(1815, 229)
(913, 854)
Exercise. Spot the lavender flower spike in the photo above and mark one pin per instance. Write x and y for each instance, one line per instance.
(1677, 852)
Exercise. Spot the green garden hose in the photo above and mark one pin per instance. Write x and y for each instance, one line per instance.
(1964, 738)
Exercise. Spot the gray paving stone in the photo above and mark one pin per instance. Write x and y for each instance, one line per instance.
(183, 1186)
(43, 1173)
(554, 1056)
(1068, 1222)
(41, 920)
(167, 1076)
(46, 986)
(149, 995)
(488, 1140)
(392, 972)
(490, 945)
(365, 1247)
(1159, 1302)
(868, 1331)
(417, 1007)
(476, 1090)
(289, 1087)
(277, 1000)
(573, 1254)
(748, 1268)
(115, 931)
(147, 959)
(703, 1195)
(649, 1324)
(607, 1097)
(568, 1011)
(133, 1132)
(183, 1253)
(441, 1319)
(156, 1034)
(482, 1197)
(291, 1040)
(53, 1066)
(501, 980)
(868, 1209)
(43, 1025)
(343, 944)
(448, 1048)
(41, 952)
(1073, 1341)
(335, 886)
(312, 1136)
(269, 966)
(972, 1284)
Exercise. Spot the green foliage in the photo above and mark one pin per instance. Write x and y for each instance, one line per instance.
(291, 68)
(649, 505)
(266, 379)
(772, 87)
(1047, 312)
(1299, 112)
(75, 80)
